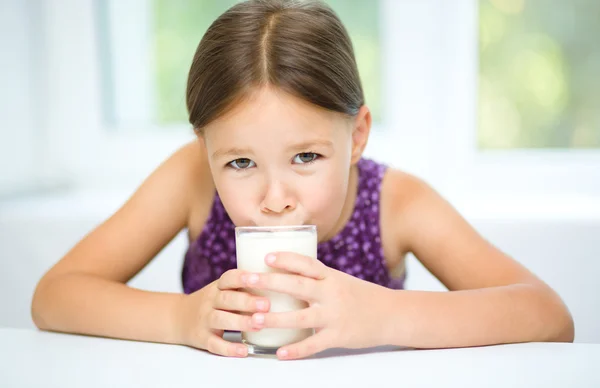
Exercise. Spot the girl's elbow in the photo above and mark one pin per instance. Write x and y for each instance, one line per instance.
(557, 323)
(566, 332)
(37, 307)
(563, 324)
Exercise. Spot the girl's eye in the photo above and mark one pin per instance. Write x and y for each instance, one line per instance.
(305, 157)
(241, 163)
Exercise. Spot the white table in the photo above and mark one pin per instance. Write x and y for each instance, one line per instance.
(30, 358)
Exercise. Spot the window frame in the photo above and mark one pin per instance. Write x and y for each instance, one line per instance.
(428, 122)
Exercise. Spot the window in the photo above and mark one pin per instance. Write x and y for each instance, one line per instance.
(145, 61)
(538, 78)
(454, 101)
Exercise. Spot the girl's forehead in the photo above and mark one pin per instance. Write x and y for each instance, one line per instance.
(269, 123)
(272, 107)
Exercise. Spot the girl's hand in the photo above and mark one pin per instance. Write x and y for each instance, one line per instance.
(204, 315)
(345, 311)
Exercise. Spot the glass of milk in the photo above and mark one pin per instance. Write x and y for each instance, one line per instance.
(253, 243)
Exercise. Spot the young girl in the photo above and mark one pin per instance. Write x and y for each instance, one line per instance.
(275, 98)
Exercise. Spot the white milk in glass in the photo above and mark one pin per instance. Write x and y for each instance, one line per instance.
(252, 246)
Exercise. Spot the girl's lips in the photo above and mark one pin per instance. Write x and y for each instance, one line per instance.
(292, 219)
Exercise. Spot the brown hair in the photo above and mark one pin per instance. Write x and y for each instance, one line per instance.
(299, 47)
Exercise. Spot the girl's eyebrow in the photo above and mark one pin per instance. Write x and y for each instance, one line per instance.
(310, 144)
(231, 151)
(306, 145)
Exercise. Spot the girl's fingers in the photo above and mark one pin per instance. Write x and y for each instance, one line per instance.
(218, 345)
(306, 348)
(231, 280)
(298, 264)
(298, 286)
(307, 318)
(240, 301)
(225, 320)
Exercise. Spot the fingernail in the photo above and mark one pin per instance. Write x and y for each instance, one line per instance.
(283, 353)
(241, 351)
(259, 318)
(261, 305)
(253, 279)
(270, 259)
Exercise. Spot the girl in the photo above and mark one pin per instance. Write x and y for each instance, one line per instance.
(275, 98)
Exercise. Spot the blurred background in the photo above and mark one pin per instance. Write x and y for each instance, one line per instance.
(496, 103)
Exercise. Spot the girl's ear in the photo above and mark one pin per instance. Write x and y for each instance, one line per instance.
(360, 132)
(200, 138)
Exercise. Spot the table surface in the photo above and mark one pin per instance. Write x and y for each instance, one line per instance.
(30, 358)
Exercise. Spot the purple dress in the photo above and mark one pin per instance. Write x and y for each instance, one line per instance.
(356, 249)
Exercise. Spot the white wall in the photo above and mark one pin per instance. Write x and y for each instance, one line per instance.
(18, 109)
(35, 233)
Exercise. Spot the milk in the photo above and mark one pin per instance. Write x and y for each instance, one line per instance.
(252, 246)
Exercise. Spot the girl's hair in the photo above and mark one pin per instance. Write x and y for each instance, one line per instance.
(299, 47)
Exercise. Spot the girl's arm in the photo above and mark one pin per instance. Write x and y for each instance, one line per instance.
(85, 292)
(494, 299)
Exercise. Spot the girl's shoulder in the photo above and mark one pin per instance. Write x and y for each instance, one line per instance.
(404, 188)
(155, 213)
(403, 196)
(201, 189)
(190, 163)
(183, 183)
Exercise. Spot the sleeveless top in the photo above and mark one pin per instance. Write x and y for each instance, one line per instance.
(356, 249)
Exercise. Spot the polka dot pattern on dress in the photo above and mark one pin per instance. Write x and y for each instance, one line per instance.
(356, 249)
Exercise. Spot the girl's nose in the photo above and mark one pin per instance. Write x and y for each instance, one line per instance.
(277, 199)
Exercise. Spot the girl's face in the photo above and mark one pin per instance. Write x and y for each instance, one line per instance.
(277, 160)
